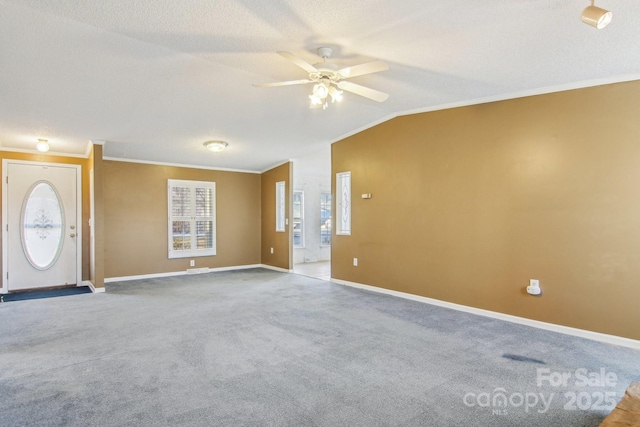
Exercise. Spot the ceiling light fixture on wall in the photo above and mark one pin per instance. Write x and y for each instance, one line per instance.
(42, 145)
(596, 17)
(215, 146)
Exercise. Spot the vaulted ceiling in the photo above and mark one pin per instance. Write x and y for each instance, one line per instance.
(155, 79)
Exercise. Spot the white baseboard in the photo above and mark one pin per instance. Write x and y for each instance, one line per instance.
(271, 267)
(596, 336)
(180, 273)
(92, 287)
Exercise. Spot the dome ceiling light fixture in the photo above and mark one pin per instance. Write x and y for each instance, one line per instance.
(329, 80)
(216, 146)
(42, 145)
(596, 17)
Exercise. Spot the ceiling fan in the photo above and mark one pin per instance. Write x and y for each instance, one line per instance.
(329, 79)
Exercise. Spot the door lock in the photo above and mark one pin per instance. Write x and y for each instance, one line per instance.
(72, 234)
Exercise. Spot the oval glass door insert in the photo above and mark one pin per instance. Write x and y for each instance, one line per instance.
(42, 225)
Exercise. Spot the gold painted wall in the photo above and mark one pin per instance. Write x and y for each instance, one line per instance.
(135, 218)
(470, 203)
(282, 256)
(85, 195)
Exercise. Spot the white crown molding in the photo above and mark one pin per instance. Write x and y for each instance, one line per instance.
(275, 166)
(48, 153)
(179, 165)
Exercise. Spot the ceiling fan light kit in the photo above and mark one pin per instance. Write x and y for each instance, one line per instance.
(596, 17)
(329, 80)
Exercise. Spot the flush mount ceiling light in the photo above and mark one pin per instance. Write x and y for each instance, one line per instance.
(42, 145)
(596, 17)
(215, 146)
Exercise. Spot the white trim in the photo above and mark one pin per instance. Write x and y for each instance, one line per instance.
(92, 287)
(179, 273)
(178, 165)
(596, 336)
(275, 166)
(271, 267)
(48, 153)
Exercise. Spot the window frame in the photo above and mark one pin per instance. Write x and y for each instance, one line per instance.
(192, 218)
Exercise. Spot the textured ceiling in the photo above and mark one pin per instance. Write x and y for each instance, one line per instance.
(154, 79)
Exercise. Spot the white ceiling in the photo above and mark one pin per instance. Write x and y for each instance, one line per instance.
(155, 79)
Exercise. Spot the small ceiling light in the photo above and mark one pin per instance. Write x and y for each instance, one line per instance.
(42, 145)
(215, 146)
(596, 17)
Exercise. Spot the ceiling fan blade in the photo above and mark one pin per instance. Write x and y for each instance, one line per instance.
(359, 70)
(276, 84)
(376, 95)
(299, 62)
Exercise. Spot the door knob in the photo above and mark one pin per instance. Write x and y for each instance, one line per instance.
(72, 234)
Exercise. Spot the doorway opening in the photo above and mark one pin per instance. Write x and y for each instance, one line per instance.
(312, 214)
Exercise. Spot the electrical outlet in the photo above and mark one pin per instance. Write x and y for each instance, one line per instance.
(192, 263)
(355, 262)
(271, 250)
(534, 287)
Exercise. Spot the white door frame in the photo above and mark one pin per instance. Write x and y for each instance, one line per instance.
(5, 223)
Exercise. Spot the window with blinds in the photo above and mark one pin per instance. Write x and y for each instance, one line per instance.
(192, 221)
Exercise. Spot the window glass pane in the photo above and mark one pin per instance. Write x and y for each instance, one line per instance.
(204, 234)
(181, 201)
(325, 219)
(203, 202)
(298, 219)
(181, 235)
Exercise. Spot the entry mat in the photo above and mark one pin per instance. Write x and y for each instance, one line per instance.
(50, 293)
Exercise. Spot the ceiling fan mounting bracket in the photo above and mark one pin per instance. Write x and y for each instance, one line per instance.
(325, 52)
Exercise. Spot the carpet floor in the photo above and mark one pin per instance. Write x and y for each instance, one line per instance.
(262, 348)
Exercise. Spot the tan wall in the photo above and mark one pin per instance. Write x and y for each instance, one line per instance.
(135, 218)
(282, 256)
(85, 195)
(470, 203)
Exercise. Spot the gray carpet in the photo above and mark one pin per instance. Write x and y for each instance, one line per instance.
(261, 348)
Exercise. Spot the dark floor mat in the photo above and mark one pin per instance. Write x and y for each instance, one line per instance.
(51, 293)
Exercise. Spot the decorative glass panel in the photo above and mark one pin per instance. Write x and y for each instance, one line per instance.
(42, 225)
(280, 206)
(343, 203)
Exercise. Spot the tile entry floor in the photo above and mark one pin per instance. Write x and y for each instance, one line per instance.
(319, 270)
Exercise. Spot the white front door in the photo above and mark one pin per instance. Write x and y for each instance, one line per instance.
(42, 244)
